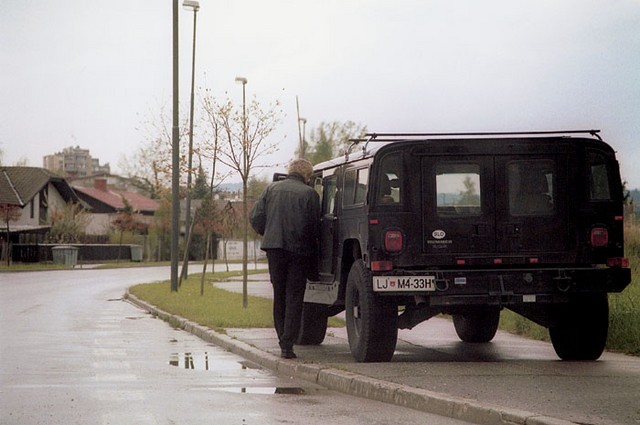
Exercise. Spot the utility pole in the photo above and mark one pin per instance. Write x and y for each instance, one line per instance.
(175, 159)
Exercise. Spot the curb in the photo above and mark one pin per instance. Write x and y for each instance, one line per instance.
(359, 385)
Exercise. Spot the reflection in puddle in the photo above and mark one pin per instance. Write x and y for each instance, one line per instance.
(208, 361)
(216, 362)
(263, 390)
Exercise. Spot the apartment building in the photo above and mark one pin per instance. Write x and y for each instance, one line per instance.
(74, 162)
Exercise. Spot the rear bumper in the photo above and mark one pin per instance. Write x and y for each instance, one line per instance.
(516, 286)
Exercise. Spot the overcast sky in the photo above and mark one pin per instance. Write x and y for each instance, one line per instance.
(88, 73)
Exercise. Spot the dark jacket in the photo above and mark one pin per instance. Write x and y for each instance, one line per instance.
(287, 215)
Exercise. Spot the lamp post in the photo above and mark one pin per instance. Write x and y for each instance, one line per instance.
(195, 6)
(175, 159)
(245, 178)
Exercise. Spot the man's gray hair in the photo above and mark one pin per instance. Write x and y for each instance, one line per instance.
(301, 167)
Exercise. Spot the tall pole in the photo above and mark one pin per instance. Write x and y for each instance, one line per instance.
(245, 178)
(175, 159)
(300, 147)
(304, 143)
(187, 221)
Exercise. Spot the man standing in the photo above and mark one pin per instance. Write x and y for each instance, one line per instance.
(287, 215)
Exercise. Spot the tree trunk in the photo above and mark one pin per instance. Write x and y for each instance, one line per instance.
(204, 267)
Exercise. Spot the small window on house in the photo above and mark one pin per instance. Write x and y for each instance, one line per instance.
(43, 206)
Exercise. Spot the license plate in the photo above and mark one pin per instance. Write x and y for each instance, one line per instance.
(404, 283)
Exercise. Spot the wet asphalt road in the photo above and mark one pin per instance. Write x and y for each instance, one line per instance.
(511, 372)
(72, 352)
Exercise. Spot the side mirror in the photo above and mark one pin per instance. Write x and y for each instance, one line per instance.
(279, 176)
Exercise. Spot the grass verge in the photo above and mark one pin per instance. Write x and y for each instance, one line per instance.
(217, 308)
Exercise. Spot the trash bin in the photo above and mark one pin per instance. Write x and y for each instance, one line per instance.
(136, 253)
(65, 254)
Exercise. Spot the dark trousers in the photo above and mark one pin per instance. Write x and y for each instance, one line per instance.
(288, 273)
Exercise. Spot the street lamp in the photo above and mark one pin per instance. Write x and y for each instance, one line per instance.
(245, 178)
(195, 6)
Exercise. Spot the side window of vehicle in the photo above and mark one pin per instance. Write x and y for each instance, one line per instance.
(458, 189)
(355, 186)
(530, 185)
(389, 190)
(317, 185)
(598, 178)
(330, 190)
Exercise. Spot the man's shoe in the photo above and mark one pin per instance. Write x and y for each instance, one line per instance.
(288, 354)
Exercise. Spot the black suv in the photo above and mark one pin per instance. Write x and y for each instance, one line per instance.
(416, 225)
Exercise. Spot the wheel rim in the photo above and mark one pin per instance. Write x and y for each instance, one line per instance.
(357, 319)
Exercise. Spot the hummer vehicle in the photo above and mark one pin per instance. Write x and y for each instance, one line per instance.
(466, 224)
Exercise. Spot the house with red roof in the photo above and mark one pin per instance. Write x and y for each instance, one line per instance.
(35, 194)
(106, 203)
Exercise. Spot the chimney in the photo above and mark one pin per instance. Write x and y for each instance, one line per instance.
(100, 184)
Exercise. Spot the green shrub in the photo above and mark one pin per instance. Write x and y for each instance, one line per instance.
(624, 308)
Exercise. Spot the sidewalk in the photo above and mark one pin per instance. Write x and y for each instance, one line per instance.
(512, 380)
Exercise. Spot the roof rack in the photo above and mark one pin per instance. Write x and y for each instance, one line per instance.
(398, 137)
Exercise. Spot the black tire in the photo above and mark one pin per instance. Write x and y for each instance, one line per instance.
(477, 327)
(313, 326)
(581, 329)
(372, 322)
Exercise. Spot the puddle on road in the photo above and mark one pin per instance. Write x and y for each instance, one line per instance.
(208, 361)
(263, 390)
(215, 362)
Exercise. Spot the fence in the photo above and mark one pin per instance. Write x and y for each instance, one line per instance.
(87, 253)
(233, 249)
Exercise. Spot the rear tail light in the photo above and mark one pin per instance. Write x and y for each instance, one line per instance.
(381, 266)
(618, 262)
(393, 241)
(599, 237)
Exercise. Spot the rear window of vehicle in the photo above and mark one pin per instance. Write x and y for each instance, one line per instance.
(598, 178)
(531, 187)
(458, 189)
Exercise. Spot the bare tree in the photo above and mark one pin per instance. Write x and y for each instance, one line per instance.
(68, 224)
(207, 219)
(244, 139)
(149, 166)
(126, 221)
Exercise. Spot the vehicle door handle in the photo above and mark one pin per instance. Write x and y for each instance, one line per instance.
(512, 229)
(480, 230)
